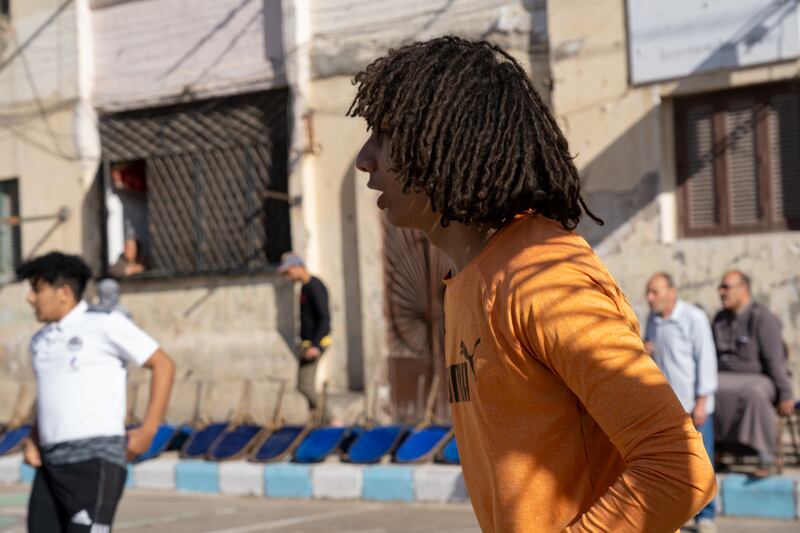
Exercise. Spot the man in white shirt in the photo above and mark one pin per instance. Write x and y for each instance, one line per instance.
(678, 336)
(79, 444)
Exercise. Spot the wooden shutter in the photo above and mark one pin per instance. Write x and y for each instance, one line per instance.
(740, 151)
(9, 233)
(784, 141)
(701, 190)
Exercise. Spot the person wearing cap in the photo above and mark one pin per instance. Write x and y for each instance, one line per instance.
(315, 323)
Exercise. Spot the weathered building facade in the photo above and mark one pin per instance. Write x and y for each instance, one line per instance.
(232, 114)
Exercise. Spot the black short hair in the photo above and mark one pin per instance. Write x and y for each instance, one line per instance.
(467, 127)
(57, 269)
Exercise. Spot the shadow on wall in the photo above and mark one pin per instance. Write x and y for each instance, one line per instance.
(619, 159)
(93, 224)
(616, 163)
(352, 279)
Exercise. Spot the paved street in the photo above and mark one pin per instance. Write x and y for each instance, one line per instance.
(177, 513)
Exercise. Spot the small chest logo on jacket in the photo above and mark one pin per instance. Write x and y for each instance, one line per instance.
(458, 374)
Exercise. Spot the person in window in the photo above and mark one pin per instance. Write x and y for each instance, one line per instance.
(315, 324)
(563, 421)
(130, 261)
(754, 384)
(80, 357)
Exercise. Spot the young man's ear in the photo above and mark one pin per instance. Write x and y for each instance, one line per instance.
(65, 293)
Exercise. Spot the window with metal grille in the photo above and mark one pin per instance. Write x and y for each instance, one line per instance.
(211, 177)
(738, 160)
(10, 242)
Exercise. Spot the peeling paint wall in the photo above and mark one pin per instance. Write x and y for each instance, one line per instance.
(622, 136)
(42, 145)
(348, 35)
(167, 50)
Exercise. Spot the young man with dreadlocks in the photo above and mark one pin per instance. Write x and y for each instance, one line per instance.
(563, 421)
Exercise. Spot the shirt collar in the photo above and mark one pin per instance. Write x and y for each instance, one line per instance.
(678, 310)
(675, 315)
(744, 311)
(76, 311)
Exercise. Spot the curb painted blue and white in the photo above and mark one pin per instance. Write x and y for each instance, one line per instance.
(776, 497)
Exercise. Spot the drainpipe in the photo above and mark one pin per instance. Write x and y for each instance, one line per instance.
(85, 126)
(302, 178)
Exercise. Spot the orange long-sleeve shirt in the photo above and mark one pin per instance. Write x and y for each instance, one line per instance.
(563, 422)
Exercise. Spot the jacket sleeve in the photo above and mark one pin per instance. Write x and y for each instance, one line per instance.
(705, 355)
(322, 327)
(591, 340)
(773, 357)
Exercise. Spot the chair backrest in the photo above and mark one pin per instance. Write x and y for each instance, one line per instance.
(449, 453)
(320, 443)
(279, 443)
(422, 444)
(234, 442)
(375, 443)
(198, 444)
(161, 441)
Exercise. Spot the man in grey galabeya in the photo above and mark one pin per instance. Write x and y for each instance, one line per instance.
(754, 384)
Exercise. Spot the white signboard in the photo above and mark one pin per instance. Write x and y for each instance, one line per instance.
(678, 38)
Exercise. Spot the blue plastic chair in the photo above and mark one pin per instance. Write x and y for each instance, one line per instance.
(182, 434)
(320, 443)
(198, 443)
(279, 444)
(234, 442)
(422, 444)
(11, 441)
(161, 441)
(449, 454)
(373, 444)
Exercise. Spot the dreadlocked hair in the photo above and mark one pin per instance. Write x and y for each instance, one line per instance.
(466, 126)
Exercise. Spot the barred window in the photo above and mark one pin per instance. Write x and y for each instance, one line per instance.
(198, 188)
(10, 243)
(738, 160)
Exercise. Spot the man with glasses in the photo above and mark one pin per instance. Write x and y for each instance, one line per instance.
(754, 384)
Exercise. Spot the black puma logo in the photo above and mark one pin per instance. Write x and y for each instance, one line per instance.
(470, 357)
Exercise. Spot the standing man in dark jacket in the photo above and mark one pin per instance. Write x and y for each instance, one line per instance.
(315, 323)
(754, 384)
